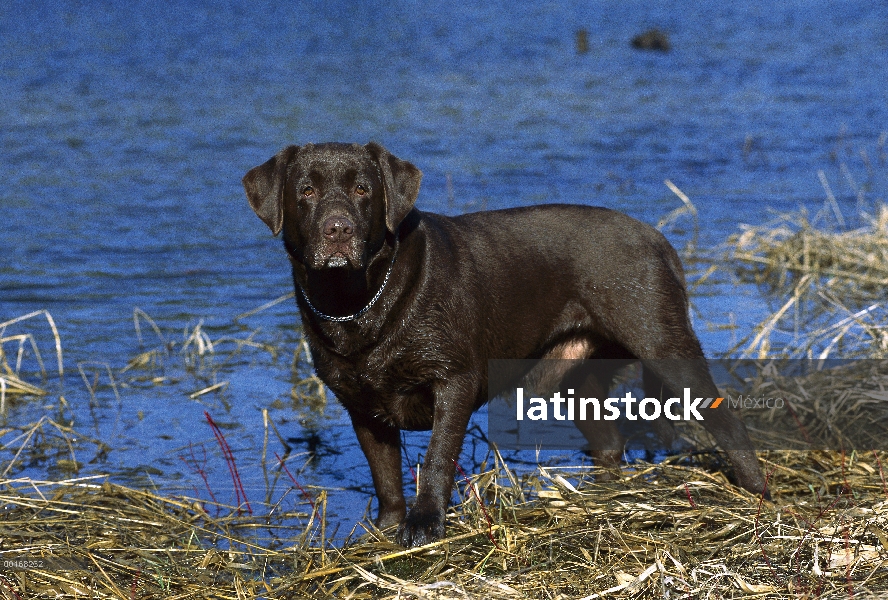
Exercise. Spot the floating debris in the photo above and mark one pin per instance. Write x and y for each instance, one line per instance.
(582, 41)
(652, 39)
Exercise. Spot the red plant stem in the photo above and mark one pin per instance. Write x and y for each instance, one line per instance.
(135, 585)
(407, 459)
(9, 587)
(197, 469)
(240, 494)
(798, 422)
(811, 525)
(293, 479)
(850, 563)
(690, 498)
(881, 472)
(481, 504)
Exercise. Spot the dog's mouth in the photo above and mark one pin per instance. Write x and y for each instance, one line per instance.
(336, 255)
(337, 258)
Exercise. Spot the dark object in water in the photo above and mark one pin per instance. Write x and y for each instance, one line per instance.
(652, 39)
(582, 41)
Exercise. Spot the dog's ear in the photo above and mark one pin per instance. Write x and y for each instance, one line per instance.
(265, 188)
(400, 181)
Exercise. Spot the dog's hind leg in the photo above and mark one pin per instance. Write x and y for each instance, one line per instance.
(654, 326)
(605, 442)
(654, 388)
(727, 429)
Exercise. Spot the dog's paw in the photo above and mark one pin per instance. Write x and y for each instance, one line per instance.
(607, 475)
(421, 527)
(754, 482)
(748, 473)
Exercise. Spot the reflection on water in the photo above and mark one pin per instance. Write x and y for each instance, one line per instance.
(126, 132)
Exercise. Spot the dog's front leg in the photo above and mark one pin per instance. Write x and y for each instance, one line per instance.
(381, 444)
(453, 408)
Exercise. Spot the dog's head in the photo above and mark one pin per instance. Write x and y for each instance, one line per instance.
(334, 202)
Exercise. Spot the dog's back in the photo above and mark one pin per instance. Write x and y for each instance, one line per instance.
(559, 274)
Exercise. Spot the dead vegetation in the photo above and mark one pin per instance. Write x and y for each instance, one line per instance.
(663, 530)
(830, 285)
(11, 381)
(853, 263)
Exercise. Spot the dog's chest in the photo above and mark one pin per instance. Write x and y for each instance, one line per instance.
(395, 401)
(396, 390)
(411, 411)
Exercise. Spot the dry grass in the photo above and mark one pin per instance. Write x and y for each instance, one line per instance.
(829, 285)
(11, 382)
(853, 264)
(676, 529)
(663, 530)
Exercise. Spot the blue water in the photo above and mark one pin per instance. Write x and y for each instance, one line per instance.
(125, 132)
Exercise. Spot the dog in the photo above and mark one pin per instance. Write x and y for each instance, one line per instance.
(403, 308)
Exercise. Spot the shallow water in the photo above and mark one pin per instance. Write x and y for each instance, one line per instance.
(125, 134)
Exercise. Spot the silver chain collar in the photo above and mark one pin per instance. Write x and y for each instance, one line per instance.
(369, 305)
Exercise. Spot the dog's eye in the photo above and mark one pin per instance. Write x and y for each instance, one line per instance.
(308, 191)
(360, 190)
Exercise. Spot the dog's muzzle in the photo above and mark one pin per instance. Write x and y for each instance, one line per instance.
(338, 246)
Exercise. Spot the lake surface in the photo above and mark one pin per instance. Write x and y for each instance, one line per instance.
(125, 132)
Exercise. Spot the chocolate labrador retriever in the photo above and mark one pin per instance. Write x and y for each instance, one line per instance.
(403, 308)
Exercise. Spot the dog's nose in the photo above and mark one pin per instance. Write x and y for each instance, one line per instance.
(338, 229)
